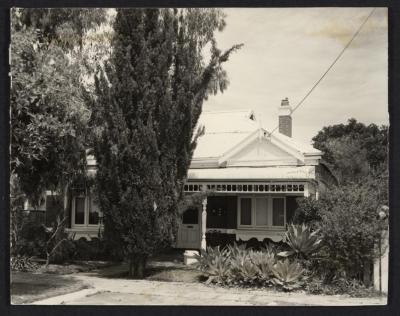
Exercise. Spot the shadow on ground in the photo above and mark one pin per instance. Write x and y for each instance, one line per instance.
(167, 266)
(27, 287)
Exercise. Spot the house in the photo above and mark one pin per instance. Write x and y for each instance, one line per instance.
(255, 177)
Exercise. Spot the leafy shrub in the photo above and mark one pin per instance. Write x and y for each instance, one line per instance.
(93, 249)
(252, 243)
(32, 240)
(302, 241)
(64, 253)
(346, 219)
(287, 275)
(22, 264)
(339, 286)
(307, 211)
(219, 239)
(315, 286)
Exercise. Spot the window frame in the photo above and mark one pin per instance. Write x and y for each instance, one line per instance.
(240, 211)
(284, 211)
(88, 199)
(253, 199)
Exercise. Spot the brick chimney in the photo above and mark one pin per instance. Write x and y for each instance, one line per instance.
(285, 118)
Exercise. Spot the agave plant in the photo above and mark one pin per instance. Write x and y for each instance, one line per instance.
(263, 261)
(215, 263)
(287, 275)
(236, 250)
(302, 241)
(242, 269)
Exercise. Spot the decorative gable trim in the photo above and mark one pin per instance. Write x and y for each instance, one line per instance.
(222, 161)
(286, 147)
(264, 163)
(298, 157)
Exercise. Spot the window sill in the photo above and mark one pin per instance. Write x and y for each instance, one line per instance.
(84, 228)
(261, 228)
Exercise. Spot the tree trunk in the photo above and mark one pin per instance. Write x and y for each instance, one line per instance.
(47, 259)
(367, 274)
(66, 203)
(131, 268)
(140, 269)
(137, 267)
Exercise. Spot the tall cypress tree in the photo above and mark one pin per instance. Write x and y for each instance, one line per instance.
(149, 98)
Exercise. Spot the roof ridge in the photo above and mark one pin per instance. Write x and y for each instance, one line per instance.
(227, 111)
(229, 132)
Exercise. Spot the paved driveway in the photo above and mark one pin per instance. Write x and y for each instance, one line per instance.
(106, 291)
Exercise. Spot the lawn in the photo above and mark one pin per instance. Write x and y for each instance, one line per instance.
(27, 287)
(54, 280)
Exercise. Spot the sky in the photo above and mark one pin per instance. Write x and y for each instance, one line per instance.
(286, 50)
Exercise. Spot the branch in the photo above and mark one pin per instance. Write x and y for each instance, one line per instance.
(56, 246)
(59, 226)
(225, 56)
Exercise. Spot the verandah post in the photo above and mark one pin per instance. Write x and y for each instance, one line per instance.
(203, 224)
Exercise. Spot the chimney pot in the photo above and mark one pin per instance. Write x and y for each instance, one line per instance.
(285, 102)
(285, 118)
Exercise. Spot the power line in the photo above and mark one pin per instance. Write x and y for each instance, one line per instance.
(330, 67)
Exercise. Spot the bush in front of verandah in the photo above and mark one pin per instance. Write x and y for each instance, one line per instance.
(346, 219)
(237, 266)
(284, 265)
(93, 249)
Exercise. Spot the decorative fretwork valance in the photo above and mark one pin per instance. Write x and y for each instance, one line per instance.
(242, 187)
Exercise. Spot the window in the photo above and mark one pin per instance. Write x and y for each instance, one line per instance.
(278, 211)
(245, 211)
(85, 211)
(94, 212)
(190, 216)
(262, 211)
(80, 210)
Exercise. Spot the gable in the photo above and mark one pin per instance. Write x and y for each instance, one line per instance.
(262, 152)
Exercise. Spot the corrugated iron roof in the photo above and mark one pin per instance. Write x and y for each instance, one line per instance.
(226, 129)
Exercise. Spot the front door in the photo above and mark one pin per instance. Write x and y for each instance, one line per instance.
(189, 230)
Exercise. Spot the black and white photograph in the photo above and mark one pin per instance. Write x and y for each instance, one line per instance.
(199, 156)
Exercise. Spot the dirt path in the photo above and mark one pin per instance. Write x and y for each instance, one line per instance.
(104, 291)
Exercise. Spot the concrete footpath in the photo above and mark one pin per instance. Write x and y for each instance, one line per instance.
(105, 291)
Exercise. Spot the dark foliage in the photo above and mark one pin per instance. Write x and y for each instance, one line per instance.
(94, 249)
(352, 150)
(214, 239)
(149, 98)
(32, 240)
(346, 217)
